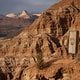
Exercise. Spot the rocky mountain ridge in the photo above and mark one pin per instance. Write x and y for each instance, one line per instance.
(12, 24)
(23, 14)
(39, 52)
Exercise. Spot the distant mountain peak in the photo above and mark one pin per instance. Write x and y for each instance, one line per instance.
(11, 15)
(24, 14)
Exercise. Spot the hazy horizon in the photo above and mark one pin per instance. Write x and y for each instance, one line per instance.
(7, 6)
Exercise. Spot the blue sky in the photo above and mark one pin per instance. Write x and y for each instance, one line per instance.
(7, 6)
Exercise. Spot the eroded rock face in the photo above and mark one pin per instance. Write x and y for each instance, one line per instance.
(38, 46)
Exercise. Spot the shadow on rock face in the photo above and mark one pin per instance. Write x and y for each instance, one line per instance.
(2, 75)
(59, 74)
(41, 77)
